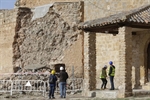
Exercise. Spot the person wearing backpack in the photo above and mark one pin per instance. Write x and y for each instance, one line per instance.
(52, 84)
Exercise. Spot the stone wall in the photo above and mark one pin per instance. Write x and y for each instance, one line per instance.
(102, 8)
(140, 45)
(35, 3)
(7, 33)
(93, 8)
(73, 57)
(107, 49)
(46, 39)
(89, 83)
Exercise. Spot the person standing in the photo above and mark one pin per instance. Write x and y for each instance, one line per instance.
(63, 76)
(52, 84)
(103, 77)
(111, 74)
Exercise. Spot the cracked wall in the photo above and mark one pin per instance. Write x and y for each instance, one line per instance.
(52, 38)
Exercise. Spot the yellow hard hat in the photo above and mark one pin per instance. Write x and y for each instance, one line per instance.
(53, 72)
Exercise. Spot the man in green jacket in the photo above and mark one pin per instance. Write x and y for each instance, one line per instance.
(103, 77)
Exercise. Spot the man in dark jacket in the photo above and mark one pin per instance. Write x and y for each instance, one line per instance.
(63, 76)
(111, 75)
(52, 84)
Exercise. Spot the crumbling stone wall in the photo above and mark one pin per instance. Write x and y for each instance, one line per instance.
(7, 32)
(97, 9)
(101, 8)
(45, 39)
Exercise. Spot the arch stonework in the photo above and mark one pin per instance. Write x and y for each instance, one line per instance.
(145, 60)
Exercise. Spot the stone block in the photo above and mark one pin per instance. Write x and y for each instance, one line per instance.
(106, 94)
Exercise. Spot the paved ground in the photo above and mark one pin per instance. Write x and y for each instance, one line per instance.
(77, 96)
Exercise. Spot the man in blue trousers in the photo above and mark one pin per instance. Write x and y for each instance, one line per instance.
(63, 76)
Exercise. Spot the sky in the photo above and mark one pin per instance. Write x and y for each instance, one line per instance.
(7, 4)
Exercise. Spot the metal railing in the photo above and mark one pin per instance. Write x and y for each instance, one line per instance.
(22, 85)
(5, 85)
(73, 85)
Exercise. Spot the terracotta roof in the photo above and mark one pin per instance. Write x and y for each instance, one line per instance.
(140, 15)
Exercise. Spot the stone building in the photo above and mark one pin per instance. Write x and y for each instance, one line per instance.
(86, 34)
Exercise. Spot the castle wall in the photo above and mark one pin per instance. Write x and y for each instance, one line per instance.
(35, 3)
(73, 57)
(106, 49)
(7, 33)
(107, 45)
(102, 8)
(52, 38)
(93, 8)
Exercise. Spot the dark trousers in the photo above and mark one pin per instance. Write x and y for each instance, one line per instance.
(104, 83)
(51, 91)
(112, 82)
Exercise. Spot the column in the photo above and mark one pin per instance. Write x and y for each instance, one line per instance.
(125, 62)
(89, 83)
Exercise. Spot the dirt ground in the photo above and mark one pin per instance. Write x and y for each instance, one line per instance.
(77, 96)
(36, 96)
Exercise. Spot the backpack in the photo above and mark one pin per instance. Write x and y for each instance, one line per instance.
(51, 79)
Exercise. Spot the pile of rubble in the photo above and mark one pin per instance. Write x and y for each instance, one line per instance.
(39, 80)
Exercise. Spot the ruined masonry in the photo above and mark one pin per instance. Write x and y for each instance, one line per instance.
(83, 34)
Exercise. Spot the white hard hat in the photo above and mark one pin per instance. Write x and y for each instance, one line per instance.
(61, 68)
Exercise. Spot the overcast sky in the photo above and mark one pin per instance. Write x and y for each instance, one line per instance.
(7, 4)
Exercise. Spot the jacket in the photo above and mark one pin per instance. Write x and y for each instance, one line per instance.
(112, 70)
(103, 73)
(54, 78)
(63, 76)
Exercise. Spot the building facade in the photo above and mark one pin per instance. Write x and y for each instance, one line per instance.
(87, 49)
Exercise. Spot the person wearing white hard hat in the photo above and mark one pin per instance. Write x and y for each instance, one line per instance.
(63, 76)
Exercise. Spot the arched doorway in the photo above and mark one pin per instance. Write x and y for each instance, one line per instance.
(148, 64)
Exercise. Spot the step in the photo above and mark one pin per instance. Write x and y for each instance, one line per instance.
(109, 94)
(106, 93)
(146, 86)
(140, 92)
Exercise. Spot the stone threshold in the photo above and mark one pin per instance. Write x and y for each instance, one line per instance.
(115, 93)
